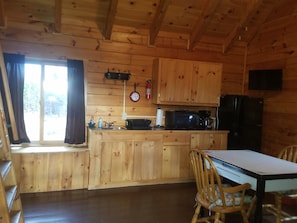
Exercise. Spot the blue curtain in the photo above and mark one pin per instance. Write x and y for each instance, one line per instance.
(15, 68)
(75, 127)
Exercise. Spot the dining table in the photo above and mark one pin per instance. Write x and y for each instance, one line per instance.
(263, 172)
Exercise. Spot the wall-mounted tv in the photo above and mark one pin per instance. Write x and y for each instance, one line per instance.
(265, 79)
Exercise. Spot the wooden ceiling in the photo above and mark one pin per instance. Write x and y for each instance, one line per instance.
(218, 21)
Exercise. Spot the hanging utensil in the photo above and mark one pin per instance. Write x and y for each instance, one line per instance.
(134, 96)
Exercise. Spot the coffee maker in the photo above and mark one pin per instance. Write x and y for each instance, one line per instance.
(205, 119)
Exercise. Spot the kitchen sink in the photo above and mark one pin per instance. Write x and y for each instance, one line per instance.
(114, 128)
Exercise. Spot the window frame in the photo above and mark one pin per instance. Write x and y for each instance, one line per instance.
(43, 62)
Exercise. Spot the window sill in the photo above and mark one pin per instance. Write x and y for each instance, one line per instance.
(47, 149)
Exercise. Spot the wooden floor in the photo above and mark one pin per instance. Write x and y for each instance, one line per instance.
(172, 203)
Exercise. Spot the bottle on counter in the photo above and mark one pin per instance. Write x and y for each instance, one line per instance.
(92, 123)
(100, 123)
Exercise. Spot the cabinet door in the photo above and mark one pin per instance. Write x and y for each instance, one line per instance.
(175, 79)
(206, 83)
(111, 159)
(175, 158)
(147, 157)
(176, 162)
(212, 140)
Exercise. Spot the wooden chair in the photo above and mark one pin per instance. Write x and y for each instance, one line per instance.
(219, 199)
(288, 153)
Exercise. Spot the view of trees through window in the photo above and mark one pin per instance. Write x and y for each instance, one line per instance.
(45, 101)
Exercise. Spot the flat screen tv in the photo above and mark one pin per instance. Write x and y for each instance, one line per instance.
(265, 79)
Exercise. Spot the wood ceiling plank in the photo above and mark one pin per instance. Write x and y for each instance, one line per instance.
(2, 15)
(38, 10)
(192, 23)
(201, 25)
(58, 15)
(157, 21)
(267, 9)
(110, 19)
(253, 8)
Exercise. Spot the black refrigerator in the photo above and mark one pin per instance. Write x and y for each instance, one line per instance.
(242, 116)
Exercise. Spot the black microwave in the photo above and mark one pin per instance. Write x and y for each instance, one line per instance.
(183, 120)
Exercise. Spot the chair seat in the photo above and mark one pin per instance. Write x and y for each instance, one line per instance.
(230, 198)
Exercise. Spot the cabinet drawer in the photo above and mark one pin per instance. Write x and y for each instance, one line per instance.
(209, 141)
(115, 136)
(176, 138)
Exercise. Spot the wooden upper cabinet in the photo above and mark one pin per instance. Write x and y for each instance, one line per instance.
(173, 77)
(182, 82)
(206, 83)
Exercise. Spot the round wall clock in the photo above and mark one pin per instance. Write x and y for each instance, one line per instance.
(134, 96)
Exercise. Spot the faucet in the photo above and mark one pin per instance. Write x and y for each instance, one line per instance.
(109, 125)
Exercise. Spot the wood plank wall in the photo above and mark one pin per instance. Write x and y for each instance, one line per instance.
(128, 51)
(275, 46)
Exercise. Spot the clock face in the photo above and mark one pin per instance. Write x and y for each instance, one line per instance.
(134, 96)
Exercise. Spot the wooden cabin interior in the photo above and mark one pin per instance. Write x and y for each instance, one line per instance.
(127, 36)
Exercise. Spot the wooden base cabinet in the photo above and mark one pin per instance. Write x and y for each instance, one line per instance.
(130, 158)
(124, 158)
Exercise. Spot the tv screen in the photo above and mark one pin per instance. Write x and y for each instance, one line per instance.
(265, 79)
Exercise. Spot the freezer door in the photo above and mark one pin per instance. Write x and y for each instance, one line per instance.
(230, 112)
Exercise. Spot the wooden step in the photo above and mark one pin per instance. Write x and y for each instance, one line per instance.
(5, 166)
(11, 192)
(15, 216)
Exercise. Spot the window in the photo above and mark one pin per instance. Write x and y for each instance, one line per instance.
(45, 101)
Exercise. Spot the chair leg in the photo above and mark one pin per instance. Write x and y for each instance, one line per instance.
(223, 217)
(244, 216)
(278, 205)
(196, 214)
(217, 218)
(251, 207)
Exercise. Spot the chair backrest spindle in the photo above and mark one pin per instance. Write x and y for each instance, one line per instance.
(289, 153)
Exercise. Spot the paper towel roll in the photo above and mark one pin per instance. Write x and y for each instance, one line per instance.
(159, 117)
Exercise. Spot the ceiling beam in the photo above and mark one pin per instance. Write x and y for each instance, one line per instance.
(110, 19)
(261, 21)
(157, 21)
(58, 15)
(251, 10)
(203, 21)
(2, 15)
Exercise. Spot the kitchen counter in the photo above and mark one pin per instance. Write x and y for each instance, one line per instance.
(121, 128)
(120, 158)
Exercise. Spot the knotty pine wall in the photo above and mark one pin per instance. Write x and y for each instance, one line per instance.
(275, 46)
(128, 51)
